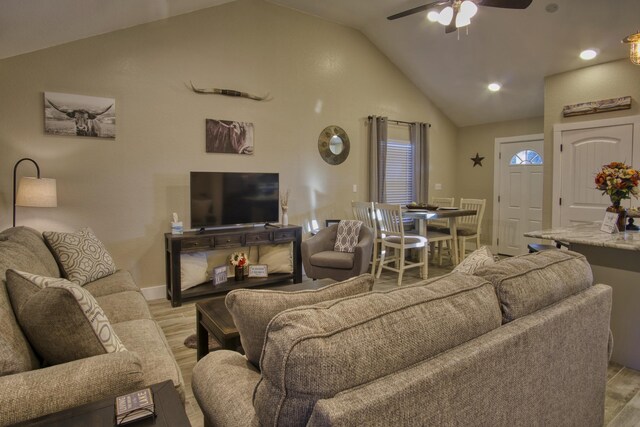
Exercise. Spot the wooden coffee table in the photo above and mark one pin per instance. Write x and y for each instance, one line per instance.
(212, 317)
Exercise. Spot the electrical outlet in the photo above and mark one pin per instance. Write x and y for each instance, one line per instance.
(438, 186)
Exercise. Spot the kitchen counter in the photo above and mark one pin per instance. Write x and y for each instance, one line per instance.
(615, 261)
(590, 234)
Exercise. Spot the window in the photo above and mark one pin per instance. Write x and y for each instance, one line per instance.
(526, 157)
(399, 173)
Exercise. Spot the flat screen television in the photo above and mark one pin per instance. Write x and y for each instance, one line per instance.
(221, 199)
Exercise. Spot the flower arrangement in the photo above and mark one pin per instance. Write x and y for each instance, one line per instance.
(619, 181)
(238, 259)
(284, 200)
(284, 204)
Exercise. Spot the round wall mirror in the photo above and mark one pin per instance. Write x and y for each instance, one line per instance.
(333, 145)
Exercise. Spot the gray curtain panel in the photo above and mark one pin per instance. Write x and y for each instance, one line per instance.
(378, 157)
(419, 135)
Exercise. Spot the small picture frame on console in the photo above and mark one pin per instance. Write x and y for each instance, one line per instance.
(609, 223)
(258, 270)
(219, 275)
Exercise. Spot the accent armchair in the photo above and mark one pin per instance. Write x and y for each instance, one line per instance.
(321, 261)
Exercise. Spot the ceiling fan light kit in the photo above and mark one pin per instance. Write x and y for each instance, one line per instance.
(458, 13)
(634, 52)
(445, 16)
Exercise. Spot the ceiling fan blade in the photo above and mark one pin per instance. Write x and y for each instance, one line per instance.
(506, 4)
(417, 9)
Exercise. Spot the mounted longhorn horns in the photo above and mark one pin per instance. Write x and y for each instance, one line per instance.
(72, 113)
(229, 92)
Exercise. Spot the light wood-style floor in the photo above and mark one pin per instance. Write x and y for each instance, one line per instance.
(622, 402)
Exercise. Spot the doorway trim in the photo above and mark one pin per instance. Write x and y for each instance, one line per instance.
(557, 164)
(496, 179)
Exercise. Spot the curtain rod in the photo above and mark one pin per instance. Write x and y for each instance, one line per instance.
(398, 122)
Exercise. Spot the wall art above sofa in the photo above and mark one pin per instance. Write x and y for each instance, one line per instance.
(79, 115)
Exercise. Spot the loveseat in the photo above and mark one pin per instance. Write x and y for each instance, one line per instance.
(523, 341)
(30, 386)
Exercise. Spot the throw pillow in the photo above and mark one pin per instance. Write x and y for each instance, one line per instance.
(62, 320)
(475, 260)
(278, 258)
(193, 269)
(347, 235)
(252, 310)
(527, 283)
(81, 255)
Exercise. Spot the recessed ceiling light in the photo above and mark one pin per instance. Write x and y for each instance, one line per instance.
(494, 87)
(588, 54)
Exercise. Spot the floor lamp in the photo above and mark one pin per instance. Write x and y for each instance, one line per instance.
(33, 192)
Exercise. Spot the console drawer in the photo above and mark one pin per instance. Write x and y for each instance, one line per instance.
(256, 238)
(284, 235)
(197, 242)
(228, 240)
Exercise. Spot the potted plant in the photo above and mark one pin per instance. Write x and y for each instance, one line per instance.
(619, 181)
(238, 260)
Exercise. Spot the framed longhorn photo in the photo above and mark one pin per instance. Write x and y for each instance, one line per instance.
(79, 115)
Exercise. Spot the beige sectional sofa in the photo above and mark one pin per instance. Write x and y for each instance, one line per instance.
(28, 389)
(523, 341)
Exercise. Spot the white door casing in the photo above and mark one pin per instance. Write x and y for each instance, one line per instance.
(517, 194)
(580, 150)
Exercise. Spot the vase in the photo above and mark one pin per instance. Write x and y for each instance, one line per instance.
(622, 215)
(285, 216)
(239, 273)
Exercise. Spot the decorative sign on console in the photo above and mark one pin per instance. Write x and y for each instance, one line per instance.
(258, 270)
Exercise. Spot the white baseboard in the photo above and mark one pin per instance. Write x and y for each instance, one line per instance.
(154, 292)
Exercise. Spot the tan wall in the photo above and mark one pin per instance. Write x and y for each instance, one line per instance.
(604, 81)
(477, 182)
(318, 73)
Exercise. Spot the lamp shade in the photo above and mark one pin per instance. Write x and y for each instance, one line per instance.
(37, 192)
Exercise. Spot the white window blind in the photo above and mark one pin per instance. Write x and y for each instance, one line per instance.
(399, 173)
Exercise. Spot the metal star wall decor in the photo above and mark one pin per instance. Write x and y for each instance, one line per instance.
(477, 160)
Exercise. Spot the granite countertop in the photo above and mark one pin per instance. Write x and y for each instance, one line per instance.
(590, 234)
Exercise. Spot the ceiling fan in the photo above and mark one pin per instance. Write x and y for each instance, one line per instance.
(458, 13)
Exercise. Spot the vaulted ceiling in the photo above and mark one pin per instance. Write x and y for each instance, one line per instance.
(516, 48)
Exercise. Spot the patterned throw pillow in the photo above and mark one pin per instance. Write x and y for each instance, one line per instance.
(61, 319)
(475, 260)
(81, 255)
(347, 236)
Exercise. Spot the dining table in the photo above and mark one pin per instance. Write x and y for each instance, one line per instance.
(451, 214)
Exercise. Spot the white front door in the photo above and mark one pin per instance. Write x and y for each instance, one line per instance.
(583, 152)
(519, 193)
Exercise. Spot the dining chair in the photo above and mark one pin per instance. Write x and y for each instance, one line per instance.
(439, 237)
(438, 230)
(438, 224)
(364, 211)
(393, 237)
(469, 226)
